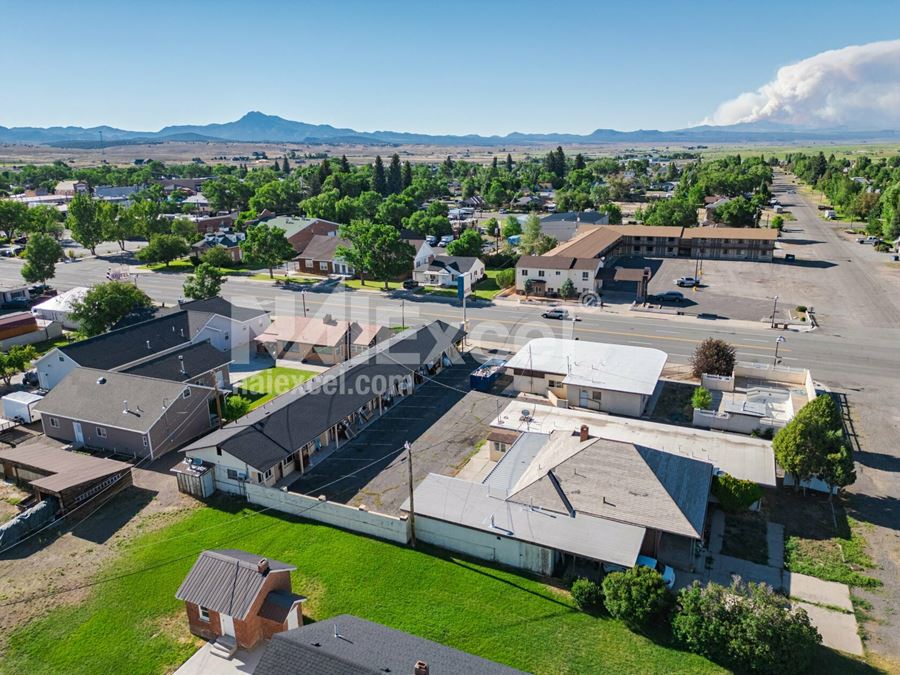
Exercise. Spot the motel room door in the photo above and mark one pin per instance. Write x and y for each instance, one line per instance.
(226, 623)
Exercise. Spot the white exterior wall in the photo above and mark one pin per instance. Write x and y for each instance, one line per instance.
(614, 402)
(52, 367)
(487, 546)
(555, 278)
(221, 464)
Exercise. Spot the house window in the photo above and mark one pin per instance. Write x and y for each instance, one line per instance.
(540, 273)
(145, 441)
(557, 272)
(219, 451)
(585, 276)
(204, 613)
(323, 265)
(186, 393)
(54, 423)
(101, 432)
(309, 263)
(524, 273)
(554, 384)
(232, 474)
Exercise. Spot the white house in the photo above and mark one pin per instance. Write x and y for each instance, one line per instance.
(444, 270)
(59, 307)
(548, 273)
(616, 379)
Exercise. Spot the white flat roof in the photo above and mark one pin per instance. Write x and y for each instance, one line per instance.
(741, 456)
(22, 397)
(472, 505)
(63, 301)
(598, 365)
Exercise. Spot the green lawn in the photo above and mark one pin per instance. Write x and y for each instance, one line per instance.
(45, 346)
(371, 285)
(268, 384)
(839, 558)
(131, 622)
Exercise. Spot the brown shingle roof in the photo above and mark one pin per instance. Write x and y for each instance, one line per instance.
(756, 233)
(322, 247)
(592, 243)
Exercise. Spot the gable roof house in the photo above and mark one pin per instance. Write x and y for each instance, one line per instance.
(319, 257)
(423, 251)
(199, 363)
(548, 273)
(562, 226)
(70, 188)
(226, 327)
(299, 231)
(124, 413)
(305, 425)
(444, 270)
(239, 599)
(226, 239)
(323, 341)
(348, 645)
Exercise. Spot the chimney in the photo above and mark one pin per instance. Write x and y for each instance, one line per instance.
(583, 433)
(262, 566)
(421, 668)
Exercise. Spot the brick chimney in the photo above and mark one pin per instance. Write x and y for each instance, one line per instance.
(262, 566)
(583, 433)
(421, 668)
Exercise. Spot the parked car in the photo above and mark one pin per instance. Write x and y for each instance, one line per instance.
(410, 284)
(670, 296)
(559, 313)
(30, 379)
(431, 240)
(446, 239)
(666, 572)
(688, 282)
(868, 240)
(789, 257)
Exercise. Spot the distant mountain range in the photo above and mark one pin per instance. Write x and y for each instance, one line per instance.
(256, 127)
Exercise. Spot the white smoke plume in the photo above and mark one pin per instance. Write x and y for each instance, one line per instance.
(857, 87)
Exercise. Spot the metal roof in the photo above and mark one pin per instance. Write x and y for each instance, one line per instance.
(472, 505)
(65, 469)
(227, 581)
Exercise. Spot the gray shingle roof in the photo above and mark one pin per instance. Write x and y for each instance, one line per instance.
(461, 264)
(323, 247)
(227, 581)
(275, 430)
(130, 344)
(619, 481)
(364, 647)
(196, 360)
(98, 397)
(223, 307)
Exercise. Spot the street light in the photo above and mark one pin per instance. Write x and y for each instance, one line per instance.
(303, 297)
(778, 342)
(774, 309)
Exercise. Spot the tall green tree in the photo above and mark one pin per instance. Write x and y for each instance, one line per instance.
(266, 246)
(104, 305)
(376, 250)
(469, 243)
(407, 174)
(84, 222)
(205, 282)
(13, 218)
(16, 360)
(119, 223)
(395, 175)
(41, 255)
(379, 180)
(714, 357)
(163, 248)
(509, 162)
(345, 165)
(285, 166)
(45, 219)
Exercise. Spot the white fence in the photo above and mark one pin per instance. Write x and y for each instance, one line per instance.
(352, 518)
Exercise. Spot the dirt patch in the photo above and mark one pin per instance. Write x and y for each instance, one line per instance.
(745, 537)
(10, 495)
(70, 555)
(674, 404)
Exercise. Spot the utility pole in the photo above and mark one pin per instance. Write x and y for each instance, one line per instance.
(403, 314)
(412, 505)
(303, 297)
(777, 344)
(774, 309)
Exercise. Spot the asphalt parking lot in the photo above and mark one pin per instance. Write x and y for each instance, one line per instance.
(443, 421)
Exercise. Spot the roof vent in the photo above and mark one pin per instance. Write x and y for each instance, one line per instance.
(101, 380)
(421, 668)
(148, 344)
(583, 433)
(181, 364)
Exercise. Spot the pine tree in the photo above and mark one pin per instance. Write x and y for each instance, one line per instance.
(494, 163)
(395, 175)
(509, 162)
(276, 167)
(579, 161)
(407, 174)
(379, 182)
(345, 165)
(324, 171)
(286, 166)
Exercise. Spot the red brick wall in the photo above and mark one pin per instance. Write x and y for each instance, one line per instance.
(208, 630)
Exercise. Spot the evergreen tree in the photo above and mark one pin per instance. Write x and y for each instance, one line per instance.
(394, 175)
(579, 161)
(407, 174)
(345, 165)
(285, 166)
(379, 182)
(494, 163)
(324, 171)
(509, 162)
(276, 167)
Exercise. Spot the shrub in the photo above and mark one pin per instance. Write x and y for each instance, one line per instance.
(567, 290)
(735, 494)
(713, 356)
(587, 594)
(217, 257)
(636, 597)
(701, 398)
(801, 309)
(746, 627)
(777, 223)
(506, 278)
(501, 259)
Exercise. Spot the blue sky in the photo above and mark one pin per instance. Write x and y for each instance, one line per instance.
(436, 67)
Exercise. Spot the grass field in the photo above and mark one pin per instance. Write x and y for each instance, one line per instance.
(268, 384)
(132, 622)
(372, 285)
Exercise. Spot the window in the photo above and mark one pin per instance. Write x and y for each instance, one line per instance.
(145, 441)
(269, 473)
(323, 265)
(597, 395)
(524, 273)
(54, 423)
(232, 474)
(219, 451)
(60, 359)
(585, 276)
(557, 272)
(540, 273)
(186, 393)
(554, 384)
(204, 613)
(309, 263)
(101, 432)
